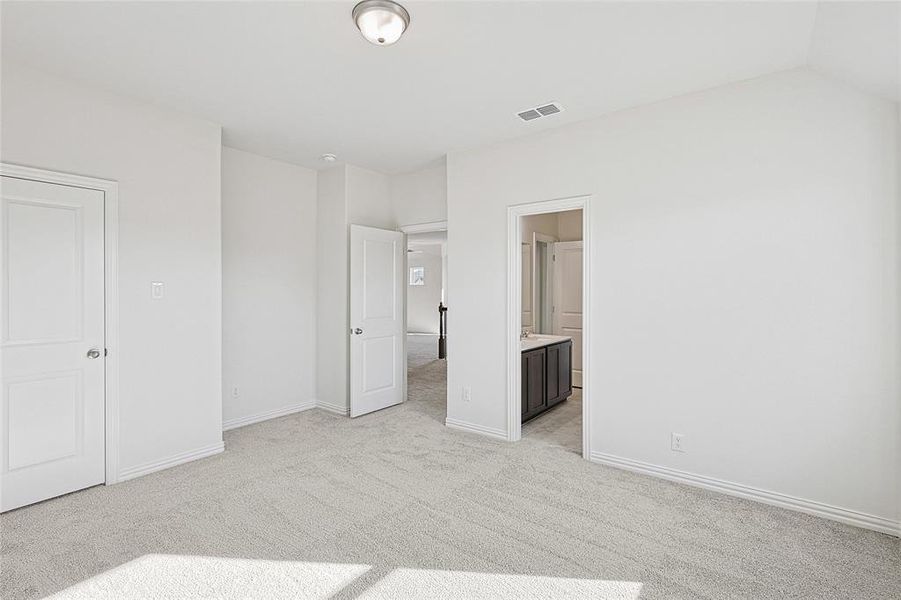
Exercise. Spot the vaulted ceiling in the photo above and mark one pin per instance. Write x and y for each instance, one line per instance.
(294, 80)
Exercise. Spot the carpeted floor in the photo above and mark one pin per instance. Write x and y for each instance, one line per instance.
(395, 505)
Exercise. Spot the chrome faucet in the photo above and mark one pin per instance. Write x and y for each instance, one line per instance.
(524, 333)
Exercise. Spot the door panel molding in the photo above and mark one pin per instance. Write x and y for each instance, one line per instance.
(12, 458)
(110, 190)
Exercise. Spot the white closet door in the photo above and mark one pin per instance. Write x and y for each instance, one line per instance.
(52, 341)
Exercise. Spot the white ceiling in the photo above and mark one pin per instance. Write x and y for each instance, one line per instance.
(295, 80)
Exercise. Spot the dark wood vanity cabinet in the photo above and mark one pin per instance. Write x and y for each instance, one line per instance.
(534, 378)
(546, 378)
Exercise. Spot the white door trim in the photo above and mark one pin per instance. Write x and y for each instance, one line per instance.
(110, 191)
(514, 312)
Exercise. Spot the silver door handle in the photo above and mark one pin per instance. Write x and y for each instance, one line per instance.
(93, 353)
(358, 331)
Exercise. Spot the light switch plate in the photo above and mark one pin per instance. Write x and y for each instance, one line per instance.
(156, 289)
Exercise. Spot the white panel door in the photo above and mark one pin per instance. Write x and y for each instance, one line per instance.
(52, 341)
(377, 363)
(568, 299)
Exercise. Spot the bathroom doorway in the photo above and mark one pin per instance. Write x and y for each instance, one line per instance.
(547, 370)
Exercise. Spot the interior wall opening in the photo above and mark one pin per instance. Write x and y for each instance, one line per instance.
(427, 313)
(550, 329)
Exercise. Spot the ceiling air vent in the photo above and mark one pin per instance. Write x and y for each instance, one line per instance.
(548, 109)
(544, 110)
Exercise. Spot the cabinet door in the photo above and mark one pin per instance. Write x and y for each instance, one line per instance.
(553, 374)
(559, 372)
(533, 391)
(524, 387)
(564, 368)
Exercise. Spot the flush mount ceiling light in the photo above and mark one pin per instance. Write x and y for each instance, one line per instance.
(382, 22)
(328, 157)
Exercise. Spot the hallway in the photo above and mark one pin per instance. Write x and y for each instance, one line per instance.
(426, 376)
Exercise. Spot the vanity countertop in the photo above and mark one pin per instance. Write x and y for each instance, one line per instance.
(540, 340)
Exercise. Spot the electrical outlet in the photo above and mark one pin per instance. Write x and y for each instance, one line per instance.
(677, 443)
(235, 392)
(467, 393)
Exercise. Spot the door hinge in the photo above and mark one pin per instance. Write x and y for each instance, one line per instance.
(106, 352)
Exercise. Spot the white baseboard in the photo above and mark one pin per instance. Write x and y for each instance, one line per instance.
(165, 463)
(266, 415)
(333, 408)
(811, 507)
(499, 434)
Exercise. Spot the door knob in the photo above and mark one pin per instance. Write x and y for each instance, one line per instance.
(93, 353)
(358, 331)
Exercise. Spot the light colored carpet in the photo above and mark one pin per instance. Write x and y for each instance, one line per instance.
(395, 505)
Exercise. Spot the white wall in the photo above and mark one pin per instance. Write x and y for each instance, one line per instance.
(569, 226)
(860, 43)
(420, 196)
(422, 300)
(745, 277)
(346, 195)
(268, 287)
(331, 290)
(168, 169)
(368, 198)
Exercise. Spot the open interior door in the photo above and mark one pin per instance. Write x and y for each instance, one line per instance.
(568, 299)
(377, 366)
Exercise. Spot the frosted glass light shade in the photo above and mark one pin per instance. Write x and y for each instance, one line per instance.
(382, 22)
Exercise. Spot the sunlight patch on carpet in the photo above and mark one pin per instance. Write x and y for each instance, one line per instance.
(427, 583)
(166, 576)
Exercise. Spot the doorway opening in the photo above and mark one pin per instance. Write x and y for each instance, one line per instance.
(547, 323)
(426, 318)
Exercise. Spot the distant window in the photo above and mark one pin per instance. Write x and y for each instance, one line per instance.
(417, 275)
